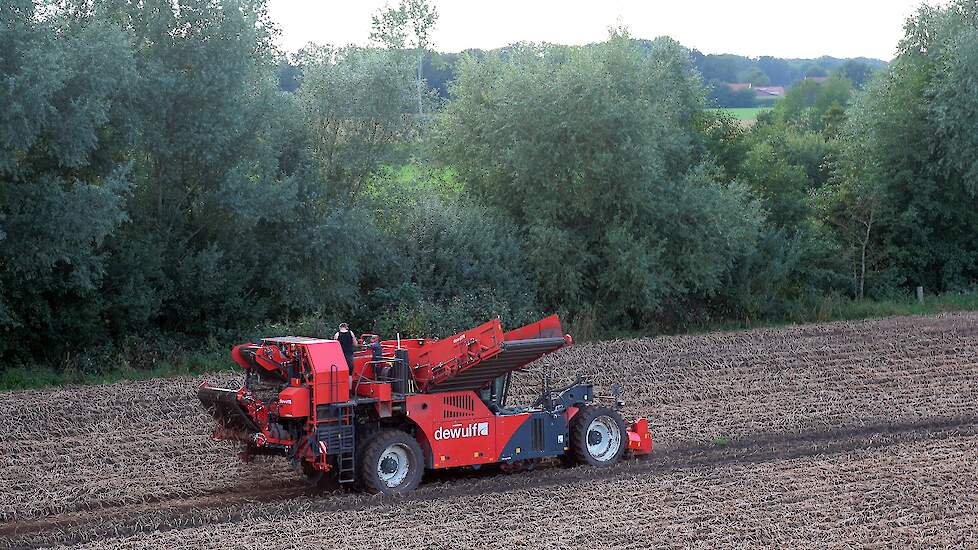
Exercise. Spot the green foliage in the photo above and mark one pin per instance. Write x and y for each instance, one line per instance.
(785, 166)
(816, 71)
(783, 185)
(910, 158)
(773, 71)
(826, 307)
(463, 310)
(408, 26)
(54, 258)
(438, 70)
(757, 77)
(856, 72)
(415, 180)
(61, 197)
(105, 365)
(812, 105)
(724, 139)
(954, 108)
(289, 76)
(722, 67)
(743, 113)
(150, 181)
(444, 261)
(170, 183)
(721, 95)
(788, 161)
(780, 72)
(591, 151)
(350, 140)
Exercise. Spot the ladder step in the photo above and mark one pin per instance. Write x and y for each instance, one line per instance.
(339, 433)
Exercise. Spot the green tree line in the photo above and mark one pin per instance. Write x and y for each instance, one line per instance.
(439, 69)
(160, 189)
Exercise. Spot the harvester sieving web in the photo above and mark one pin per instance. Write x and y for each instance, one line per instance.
(425, 404)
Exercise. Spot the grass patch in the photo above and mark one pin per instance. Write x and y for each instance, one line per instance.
(823, 310)
(186, 364)
(837, 308)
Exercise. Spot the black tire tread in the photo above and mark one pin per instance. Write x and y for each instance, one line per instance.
(367, 472)
(578, 435)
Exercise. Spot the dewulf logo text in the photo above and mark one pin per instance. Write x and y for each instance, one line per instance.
(458, 431)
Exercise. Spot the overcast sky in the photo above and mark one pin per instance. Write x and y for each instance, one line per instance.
(782, 28)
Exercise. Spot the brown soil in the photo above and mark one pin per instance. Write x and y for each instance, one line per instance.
(840, 434)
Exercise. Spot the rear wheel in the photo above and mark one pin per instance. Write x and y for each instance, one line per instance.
(391, 463)
(598, 436)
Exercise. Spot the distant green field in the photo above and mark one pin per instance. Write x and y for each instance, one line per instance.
(744, 113)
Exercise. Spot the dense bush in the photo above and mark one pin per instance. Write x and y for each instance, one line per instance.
(592, 152)
(904, 203)
(720, 95)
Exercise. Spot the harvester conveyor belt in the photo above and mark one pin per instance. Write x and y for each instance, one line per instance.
(514, 355)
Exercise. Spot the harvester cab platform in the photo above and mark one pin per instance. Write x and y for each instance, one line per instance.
(425, 404)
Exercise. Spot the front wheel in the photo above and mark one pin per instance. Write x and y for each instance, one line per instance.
(598, 436)
(391, 463)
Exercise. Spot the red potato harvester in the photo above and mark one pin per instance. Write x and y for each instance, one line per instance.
(428, 404)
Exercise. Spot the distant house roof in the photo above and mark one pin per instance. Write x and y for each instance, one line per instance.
(770, 91)
(759, 91)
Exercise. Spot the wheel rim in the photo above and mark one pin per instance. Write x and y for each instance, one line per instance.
(603, 438)
(394, 464)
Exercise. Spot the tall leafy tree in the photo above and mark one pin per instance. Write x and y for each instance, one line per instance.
(205, 103)
(64, 127)
(857, 72)
(811, 105)
(780, 71)
(591, 151)
(357, 108)
(912, 137)
(408, 26)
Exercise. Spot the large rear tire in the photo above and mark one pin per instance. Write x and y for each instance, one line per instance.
(391, 463)
(598, 436)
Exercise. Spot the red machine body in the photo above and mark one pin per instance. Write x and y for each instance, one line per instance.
(442, 404)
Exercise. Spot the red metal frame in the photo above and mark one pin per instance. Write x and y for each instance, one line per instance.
(454, 428)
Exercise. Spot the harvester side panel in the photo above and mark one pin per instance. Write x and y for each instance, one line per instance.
(457, 429)
(539, 435)
(548, 327)
(331, 376)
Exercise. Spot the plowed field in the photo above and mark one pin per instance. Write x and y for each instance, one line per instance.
(841, 434)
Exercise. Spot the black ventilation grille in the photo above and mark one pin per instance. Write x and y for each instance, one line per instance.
(462, 406)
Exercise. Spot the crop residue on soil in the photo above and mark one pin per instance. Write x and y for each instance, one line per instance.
(840, 434)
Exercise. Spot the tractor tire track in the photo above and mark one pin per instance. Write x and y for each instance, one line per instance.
(234, 506)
